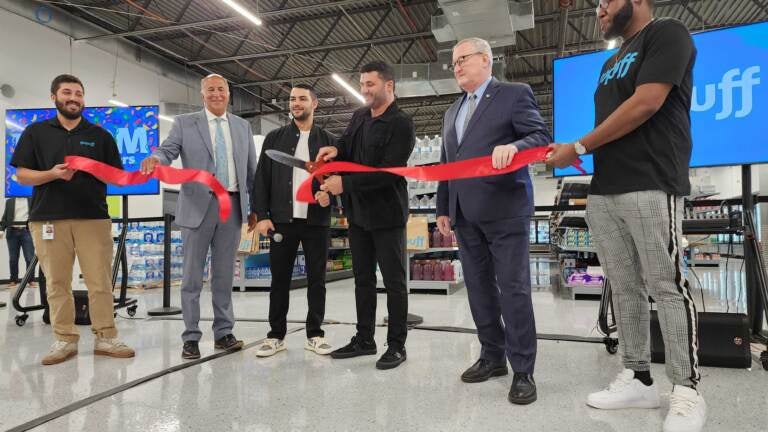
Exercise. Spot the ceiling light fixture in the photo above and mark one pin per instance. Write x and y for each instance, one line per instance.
(348, 87)
(243, 11)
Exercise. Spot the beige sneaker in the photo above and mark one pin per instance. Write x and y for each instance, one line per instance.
(112, 348)
(318, 345)
(60, 351)
(270, 347)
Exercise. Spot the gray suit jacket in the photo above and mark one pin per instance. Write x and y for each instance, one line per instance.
(190, 138)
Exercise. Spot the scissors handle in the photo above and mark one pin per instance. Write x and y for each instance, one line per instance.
(312, 166)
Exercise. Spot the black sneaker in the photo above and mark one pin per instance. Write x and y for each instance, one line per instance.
(228, 342)
(356, 347)
(190, 351)
(392, 358)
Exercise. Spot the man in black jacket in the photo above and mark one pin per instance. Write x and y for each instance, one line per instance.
(379, 135)
(278, 211)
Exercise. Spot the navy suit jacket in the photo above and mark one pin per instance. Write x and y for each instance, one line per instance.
(507, 114)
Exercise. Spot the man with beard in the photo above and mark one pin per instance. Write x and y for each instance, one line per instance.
(277, 210)
(642, 148)
(379, 135)
(68, 217)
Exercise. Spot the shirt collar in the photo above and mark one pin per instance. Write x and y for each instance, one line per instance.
(211, 116)
(481, 90)
(391, 110)
(84, 124)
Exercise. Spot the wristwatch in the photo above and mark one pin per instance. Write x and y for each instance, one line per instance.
(579, 147)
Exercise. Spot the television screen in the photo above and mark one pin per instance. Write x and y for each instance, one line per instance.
(729, 110)
(134, 128)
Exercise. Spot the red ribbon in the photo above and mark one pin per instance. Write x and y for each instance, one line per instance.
(163, 173)
(469, 168)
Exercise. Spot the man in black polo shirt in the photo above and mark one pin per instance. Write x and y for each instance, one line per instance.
(69, 218)
(379, 135)
(275, 205)
(642, 148)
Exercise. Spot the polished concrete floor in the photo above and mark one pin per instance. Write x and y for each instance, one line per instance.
(299, 391)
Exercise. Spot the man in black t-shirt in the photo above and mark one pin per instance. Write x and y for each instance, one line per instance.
(642, 148)
(68, 217)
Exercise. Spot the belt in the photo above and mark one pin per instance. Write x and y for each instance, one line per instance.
(231, 193)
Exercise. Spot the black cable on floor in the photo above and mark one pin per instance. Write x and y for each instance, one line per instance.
(444, 329)
(129, 385)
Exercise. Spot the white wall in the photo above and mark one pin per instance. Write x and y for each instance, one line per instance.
(33, 54)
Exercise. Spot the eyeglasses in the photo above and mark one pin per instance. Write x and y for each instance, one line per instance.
(463, 59)
(603, 4)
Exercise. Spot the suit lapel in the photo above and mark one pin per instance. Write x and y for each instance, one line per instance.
(488, 96)
(452, 138)
(205, 133)
(237, 144)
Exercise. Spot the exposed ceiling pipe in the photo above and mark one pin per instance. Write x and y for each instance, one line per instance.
(565, 6)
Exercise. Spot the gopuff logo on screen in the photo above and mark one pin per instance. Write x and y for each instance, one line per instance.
(732, 80)
(619, 69)
(130, 142)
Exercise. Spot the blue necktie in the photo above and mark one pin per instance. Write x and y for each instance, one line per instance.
(222, 167)
(468, 117)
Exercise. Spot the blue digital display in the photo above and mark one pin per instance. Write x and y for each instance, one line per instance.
(729, 109)
(134, 128)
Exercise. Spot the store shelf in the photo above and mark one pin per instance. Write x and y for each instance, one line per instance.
(414, 192)
(429, 162)
(572, 221)
(587, 249)
(540, 248)
(433, 250)
(296, 282)
(445, 287)
(586, 290)
(704, 263)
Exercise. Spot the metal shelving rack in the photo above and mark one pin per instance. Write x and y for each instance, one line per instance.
(261, 284)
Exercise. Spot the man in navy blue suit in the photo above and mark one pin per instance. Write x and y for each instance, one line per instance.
(491, 215)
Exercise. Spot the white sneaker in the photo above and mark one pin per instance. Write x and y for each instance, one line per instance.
(625, 392)
(318, 345)
(60, 351)
(687, 411)
(270, 347)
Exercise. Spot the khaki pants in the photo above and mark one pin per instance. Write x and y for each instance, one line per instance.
(91, 241)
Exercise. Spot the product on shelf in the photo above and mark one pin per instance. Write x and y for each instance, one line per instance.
(144, 250)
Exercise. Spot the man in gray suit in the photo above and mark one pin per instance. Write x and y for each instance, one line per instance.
(216, 141)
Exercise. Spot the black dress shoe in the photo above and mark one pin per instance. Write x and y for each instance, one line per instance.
(523, 391)
(482, 370)
(228, 342)
(190, 351)
(392, 358)
(356, 347)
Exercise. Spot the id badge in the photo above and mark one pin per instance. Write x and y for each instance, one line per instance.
(48, 231)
